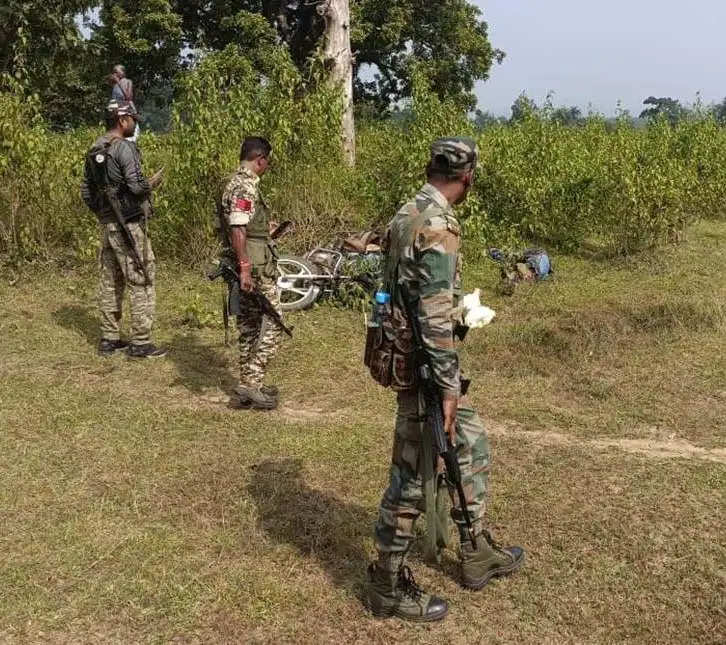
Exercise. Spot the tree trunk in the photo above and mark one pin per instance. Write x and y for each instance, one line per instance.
(339, 61)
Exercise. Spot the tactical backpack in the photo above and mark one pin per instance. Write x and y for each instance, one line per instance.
(539, 262)
(97, 174)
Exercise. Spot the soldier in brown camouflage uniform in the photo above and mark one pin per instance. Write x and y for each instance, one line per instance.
(422, 254)
(119, 269)
(245, 230)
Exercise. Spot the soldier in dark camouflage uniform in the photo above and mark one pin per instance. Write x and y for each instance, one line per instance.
(245, 231)
(119, 269)
(422, 253)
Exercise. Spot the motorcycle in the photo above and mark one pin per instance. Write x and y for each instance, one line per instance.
(325, 269)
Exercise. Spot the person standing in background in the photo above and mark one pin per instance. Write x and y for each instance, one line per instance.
(122, 90)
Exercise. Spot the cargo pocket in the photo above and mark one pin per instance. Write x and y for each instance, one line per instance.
(403, 375)
(381, 355)
(402, 372)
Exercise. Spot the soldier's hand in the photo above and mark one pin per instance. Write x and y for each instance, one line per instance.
(245, 278)
(157, 178)
(450, 404)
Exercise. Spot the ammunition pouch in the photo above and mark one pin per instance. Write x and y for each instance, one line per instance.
(262, 256)
(389, 353)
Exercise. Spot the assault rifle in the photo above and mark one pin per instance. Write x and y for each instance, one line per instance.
(226, 271)
(115, 204)
(435, 413)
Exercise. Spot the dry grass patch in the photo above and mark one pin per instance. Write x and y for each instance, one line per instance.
(136, 506)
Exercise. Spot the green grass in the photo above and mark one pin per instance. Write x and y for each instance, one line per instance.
(137, 506)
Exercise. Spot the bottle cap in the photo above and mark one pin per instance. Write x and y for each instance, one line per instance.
(383, 298)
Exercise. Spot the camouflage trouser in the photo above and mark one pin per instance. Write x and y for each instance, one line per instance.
(119, 271)
(403, 501)
(259, 337)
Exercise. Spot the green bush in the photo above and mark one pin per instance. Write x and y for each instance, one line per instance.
(620, 190)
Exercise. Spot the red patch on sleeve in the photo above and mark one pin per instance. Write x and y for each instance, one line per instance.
(243, 205)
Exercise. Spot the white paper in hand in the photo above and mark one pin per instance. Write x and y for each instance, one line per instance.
(476, 314)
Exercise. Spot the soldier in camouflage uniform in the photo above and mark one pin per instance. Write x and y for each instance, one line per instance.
(119, 270)
(245, 231)
(422, 253)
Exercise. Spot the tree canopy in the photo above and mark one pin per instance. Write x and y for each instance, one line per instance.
(42, 50)
(155, 39)
(670, 108)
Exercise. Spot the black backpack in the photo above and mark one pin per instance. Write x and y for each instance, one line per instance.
(96, 174)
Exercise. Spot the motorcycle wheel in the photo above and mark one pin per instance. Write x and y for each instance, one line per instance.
(294, 290)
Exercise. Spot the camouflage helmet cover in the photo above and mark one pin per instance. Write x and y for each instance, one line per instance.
(453, 156)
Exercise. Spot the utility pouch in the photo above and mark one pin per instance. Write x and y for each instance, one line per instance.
(389, 352)
(261, 256)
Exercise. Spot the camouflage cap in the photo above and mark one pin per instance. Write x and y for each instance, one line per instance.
(122, 108)
(453, 155)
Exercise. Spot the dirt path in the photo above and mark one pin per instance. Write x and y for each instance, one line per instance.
(668, 449)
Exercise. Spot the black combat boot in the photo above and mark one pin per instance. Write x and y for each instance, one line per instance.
(147, 350)
(108, 347)
(488, 561)
(255, 398)
(394, 592)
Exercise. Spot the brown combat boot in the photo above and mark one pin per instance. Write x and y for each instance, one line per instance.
(255, 398)
(488, 561)
(392, 591)
(270, 390)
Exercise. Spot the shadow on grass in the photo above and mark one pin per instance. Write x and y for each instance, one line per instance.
(79, 319)
(200, 366)
(319, 525)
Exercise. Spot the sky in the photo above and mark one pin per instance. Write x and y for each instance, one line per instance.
(598, 53)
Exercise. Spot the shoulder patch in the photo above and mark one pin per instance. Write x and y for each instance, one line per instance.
(242, 204)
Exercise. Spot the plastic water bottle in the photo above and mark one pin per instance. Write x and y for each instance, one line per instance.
(380, 306)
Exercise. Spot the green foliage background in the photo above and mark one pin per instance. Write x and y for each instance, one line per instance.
(619, 189)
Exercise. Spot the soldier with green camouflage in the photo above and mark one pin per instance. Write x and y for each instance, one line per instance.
(245, 232)
(120, 161)
(422, 254)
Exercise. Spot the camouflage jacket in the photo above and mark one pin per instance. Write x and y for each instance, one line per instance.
(242, 204)
(422, 252)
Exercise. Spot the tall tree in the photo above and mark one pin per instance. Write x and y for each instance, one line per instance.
(387, 38)
(338, 58)
(449, 37)
(40, 47)
(664, 106)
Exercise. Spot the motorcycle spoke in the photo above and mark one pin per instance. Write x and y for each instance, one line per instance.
(302, 292)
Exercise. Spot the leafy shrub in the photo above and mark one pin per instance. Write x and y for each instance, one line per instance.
(538, 179)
